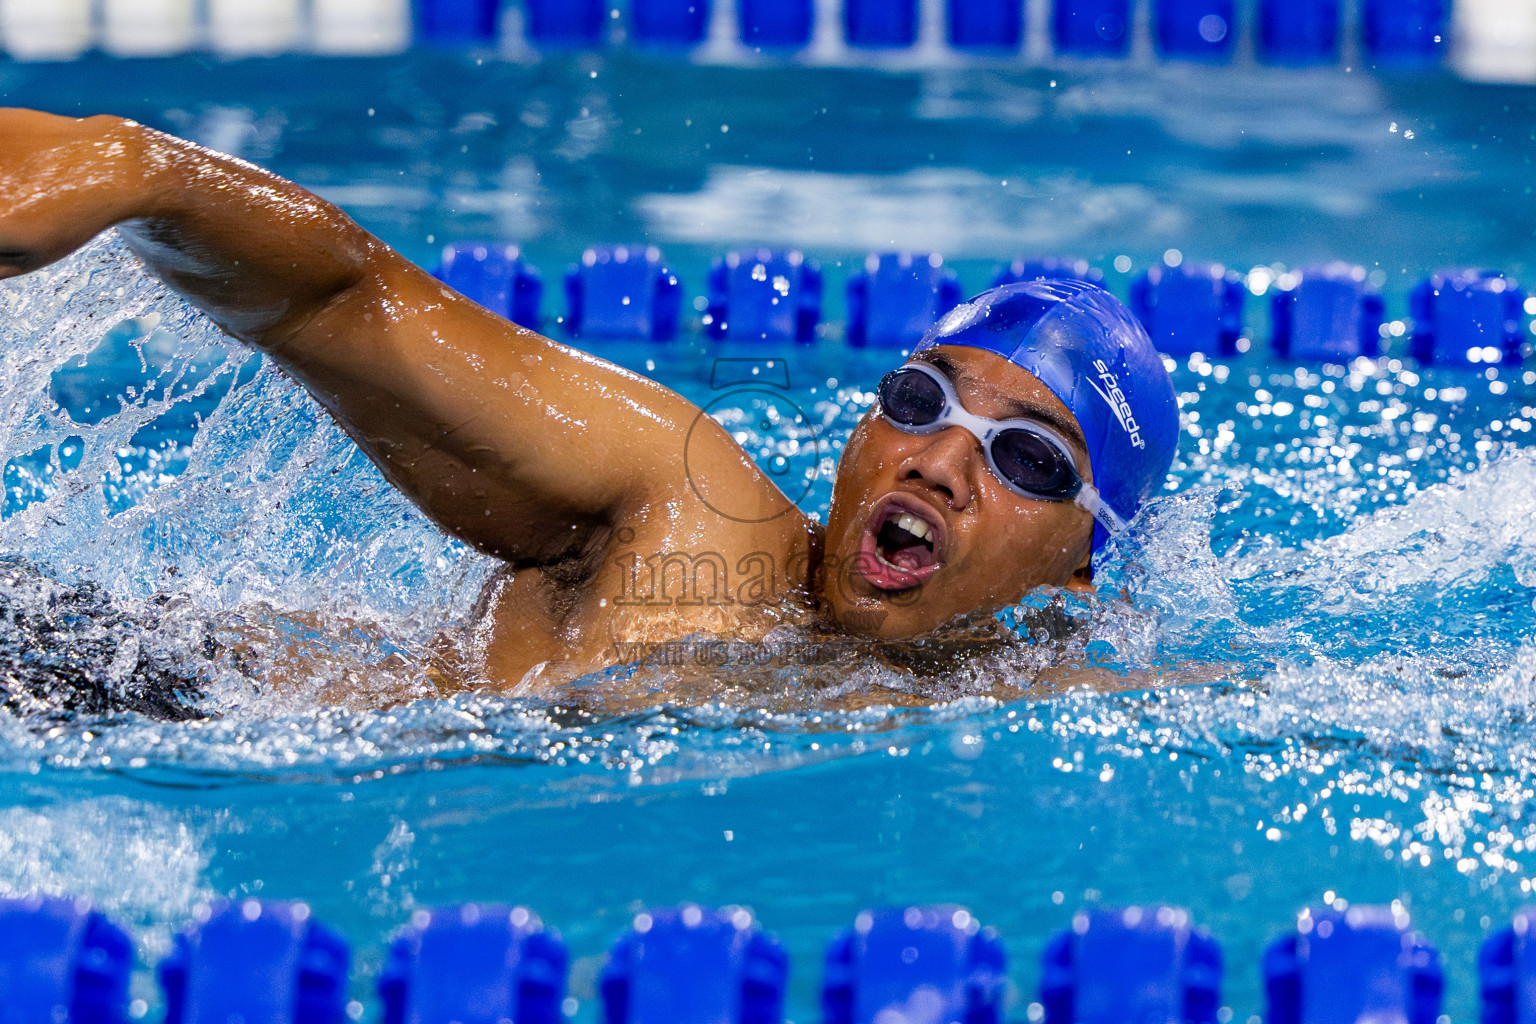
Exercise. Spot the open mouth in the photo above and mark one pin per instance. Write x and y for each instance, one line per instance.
(903, 545)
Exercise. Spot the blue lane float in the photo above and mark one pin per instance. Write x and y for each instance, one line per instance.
(1092, 28)
(1393, 33)
(1297, 33)
(623, 292)
(269, 962)
(1046, 268)
(1467, 316)
(914, 963)
(454, 23)
(1328, 313)
(1506, 968)
(1194, 29)
(60, 960)
(1460, 317)
(695, 964)
(257, 962)
(880, 24)
(776, 24)
(897, 296)
(1131, 964)
(494, 275)
(1194, 307)
(1352, 963)
(677, 23)
(474, 964)
(763, 295)
(565, 23)
(986, 24)
(1404, 33)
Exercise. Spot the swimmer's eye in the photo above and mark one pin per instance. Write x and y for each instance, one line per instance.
(911, 398)
(1030, 462)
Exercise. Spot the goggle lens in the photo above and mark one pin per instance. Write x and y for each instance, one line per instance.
(1033, 464)
(911, 398)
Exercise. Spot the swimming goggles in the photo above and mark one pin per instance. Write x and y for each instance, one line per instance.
(1030, 459)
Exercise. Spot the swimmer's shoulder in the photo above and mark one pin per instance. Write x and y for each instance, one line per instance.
(654, 583)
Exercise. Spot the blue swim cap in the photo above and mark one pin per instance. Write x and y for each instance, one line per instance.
(1084, 345)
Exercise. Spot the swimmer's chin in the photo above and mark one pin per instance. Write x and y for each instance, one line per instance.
(886, 615)
(879, 609)
(905, 615)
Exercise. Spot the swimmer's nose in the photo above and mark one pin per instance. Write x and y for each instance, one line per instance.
(943, 464)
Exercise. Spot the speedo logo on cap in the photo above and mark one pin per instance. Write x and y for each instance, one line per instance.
(1116, 399)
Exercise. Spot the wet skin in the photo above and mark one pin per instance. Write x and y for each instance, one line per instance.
(569, 469)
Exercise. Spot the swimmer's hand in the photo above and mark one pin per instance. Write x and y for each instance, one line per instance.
(65, 180)
(524, 448)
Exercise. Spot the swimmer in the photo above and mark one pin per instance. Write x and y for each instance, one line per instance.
(1026, 429)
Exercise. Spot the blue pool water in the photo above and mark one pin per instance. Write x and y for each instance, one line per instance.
(1326, 619)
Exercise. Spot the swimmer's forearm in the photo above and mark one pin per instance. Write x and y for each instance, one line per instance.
(260, 254)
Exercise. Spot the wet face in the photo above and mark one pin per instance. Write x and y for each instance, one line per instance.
(920, 530)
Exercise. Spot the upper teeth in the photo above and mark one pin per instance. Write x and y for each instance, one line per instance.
(913, 525)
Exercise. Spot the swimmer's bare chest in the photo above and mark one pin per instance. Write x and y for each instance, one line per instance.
(540, 629)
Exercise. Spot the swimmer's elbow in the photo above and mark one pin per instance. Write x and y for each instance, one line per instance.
(106, 124)
(336, 311)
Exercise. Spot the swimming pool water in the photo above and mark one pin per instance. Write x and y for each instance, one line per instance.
(1330, 610)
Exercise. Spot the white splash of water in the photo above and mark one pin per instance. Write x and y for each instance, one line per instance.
(277, 511)
(157, 861)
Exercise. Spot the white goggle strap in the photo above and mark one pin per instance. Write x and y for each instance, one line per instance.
(1089, 501)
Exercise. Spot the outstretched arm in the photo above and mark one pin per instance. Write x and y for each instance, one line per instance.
(527, 449)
